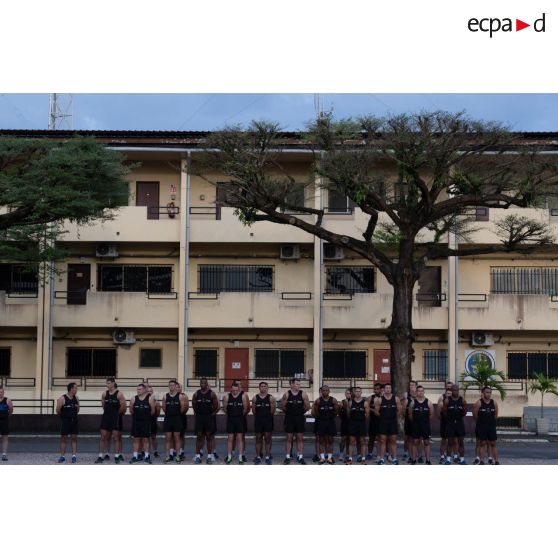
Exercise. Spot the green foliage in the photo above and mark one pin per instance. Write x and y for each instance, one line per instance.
(543, 385)
(483, 375)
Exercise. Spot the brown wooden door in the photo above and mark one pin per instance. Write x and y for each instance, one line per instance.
(147, 194)
(79, 279)
(430, 286)
(382, 365)
(236, 367)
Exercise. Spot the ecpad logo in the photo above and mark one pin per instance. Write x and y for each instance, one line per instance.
(493, 25)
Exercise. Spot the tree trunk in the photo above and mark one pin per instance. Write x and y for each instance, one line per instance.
(400, 332)
(542, 404)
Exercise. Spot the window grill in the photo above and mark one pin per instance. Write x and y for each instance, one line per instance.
(235, 278)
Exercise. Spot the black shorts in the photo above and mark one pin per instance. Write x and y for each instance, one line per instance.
(184, 422)
(154, 427)
(388, 428)
(344, 427)
(295, 424)
(455, 429)
(486, 432)
(172, 424)
(357, 428)
(206, 424)
(443, 428)
(236, 425)
(68, 426)
(326, 427)
(315, 428)
(421, 430)
(408, 427)
(4, 427)
(373, 427)
(141, 428)
(263, 424)
(111, 423)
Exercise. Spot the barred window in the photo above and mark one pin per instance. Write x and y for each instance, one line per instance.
(524, 280)
(435, 364)
(134, 278)
(349, 280)
(275, 363)
(18, 279)
(339, 203)
(235, 278)
(150, 358)
(205, 363)
(5, 361)
(344, 364)
(523, 365)
(91, 362)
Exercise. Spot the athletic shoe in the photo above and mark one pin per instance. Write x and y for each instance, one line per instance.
(74, 459)
(406, 456)
(169, 459)
(121, 458)
(476, 461)
(209, 461)
(117, 460)
(410, 461)
(214, 455)
(134, 460)
(462, 461)
(106, 457)
(287, 461)
(241, 461)
(61, 459)
(456, 459)
(201, 453)
(141, 455)
(99, 460)
(394, 462)
(442, 459)
(420, 460)
(359, 458)
(321, 461)
(147, 460)
(363, 461)
(155, 454)
(381, 462)
(330, 461)
(348, 461)
(268, 460)
(197, 460)
(427, 462)
(181, 457)
(448, 461)
(178, 459)
(257, 460)
(243, 458)
(490, 461)
(228, 460)
(4, 457)
(300, 461)
(413, 462)
(368, 457)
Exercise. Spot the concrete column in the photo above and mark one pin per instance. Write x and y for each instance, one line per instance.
(453, 309)
(42, 384)
(318, 298)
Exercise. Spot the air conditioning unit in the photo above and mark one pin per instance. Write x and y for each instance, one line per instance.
(106, 251)
(289, 252)
(123, 337)
(332, 252)
(482, 339)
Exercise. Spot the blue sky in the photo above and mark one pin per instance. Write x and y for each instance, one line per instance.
(526, 112)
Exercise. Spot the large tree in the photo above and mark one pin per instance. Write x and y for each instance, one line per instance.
(416, 177)
(44, 182)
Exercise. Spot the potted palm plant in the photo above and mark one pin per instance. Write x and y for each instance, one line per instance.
(483, 375)
(543, 385)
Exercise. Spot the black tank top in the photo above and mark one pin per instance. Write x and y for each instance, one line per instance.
(388, 408)
(456, 409)
(326, 409)
(357, 413)
(421, 411)
(344, 417)
(172, 404)
(295, 404)
(235, 405)
(4, 409)
(142, 409)
(204, 402)
(487, 413)
(263, 406)
(112, 405)
(69, 409)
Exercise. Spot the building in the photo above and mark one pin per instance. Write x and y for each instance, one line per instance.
(176, 287)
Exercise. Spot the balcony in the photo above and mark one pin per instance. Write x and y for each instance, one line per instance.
(122, 309)
(130, 224)
(18, 310)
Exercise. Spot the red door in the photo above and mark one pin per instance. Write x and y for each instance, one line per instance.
(147, 194)
(382, 365)
(236, 367)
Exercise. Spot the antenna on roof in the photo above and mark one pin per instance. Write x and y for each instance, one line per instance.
(318, 105)
(60, 111)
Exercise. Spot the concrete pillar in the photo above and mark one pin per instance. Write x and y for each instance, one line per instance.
(453, 309)
(317, 295)
(183, 373)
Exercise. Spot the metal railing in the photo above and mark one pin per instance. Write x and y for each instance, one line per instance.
(236, 278)
(339, 210)
(9, 382)
(25, 294)
(472, 297)
(172, 295)
(40, 404)
(194, 295)
(203, 210)
(99, 382)
(524, 280)
(430, 297)
(170, 212)
(338, 296)
(294, 295)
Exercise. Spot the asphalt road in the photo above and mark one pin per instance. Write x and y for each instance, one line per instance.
(43, 449)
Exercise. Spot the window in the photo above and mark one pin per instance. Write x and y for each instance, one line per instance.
(5, 361)
(524, 365)
(235, 278)
(435, 364)
(279, 363)
(524, 280)
(339, 203)
(150, 358)
(349, 280)
(135, 278)
(205, 362)
(482, 214)
(18, 279)
(91, 362)
(344, 364)
(295, 197)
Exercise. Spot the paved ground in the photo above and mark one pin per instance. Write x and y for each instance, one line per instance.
(43, 449)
